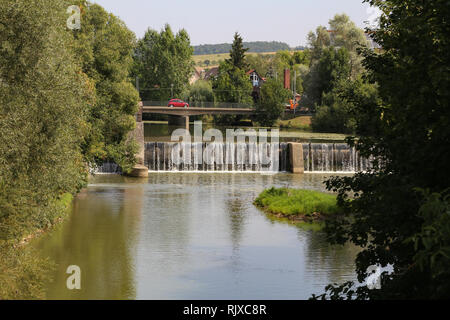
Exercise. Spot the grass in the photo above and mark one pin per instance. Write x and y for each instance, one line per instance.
(312, 136)
(297, 204)
(301, 123)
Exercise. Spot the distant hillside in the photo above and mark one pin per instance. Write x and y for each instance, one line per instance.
(257, 47)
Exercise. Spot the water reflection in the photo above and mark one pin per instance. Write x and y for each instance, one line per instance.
(190, 236)
(100, 238)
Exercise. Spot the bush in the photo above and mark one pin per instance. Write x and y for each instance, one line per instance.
(271, 105)
(337, 112)
(290, 202)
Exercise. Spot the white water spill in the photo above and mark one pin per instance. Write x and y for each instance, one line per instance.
(246, 157)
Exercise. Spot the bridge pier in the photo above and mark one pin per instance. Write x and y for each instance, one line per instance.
(139, 170)
(179, 121)
(296, 162)
(186, 120)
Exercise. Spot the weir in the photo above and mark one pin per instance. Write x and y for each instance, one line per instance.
(254, 157)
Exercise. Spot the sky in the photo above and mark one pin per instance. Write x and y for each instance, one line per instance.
(211, 22)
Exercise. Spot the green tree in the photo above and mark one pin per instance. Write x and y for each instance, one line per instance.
(342, 33)
(44, 98)
(399, 210)
(163, 60)
(271, 105)
(237, 53)
(105, 46)
(302, 57)
(200, 91)
(337, 112)
(261, 63)
(333, 66)
(232, 85)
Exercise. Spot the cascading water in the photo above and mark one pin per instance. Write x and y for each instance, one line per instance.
(107, 168)
(217, 157)
(333, 157)
(245, 157)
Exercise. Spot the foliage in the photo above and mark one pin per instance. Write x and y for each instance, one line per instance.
(337, 112)
(237, 53)
(273, 66)
(232, 84)
(22, 273)
(200, 91)
(407, 135)
(65, 99)
(332, 68)
(104, 46)
(432, 242)
(257, 46)
(290, 202)
(270, 107)
(43, 103)
(334, 61)
(342, 33)
(43, 98)
(163, 63)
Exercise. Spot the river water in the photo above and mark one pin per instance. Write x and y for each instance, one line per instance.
(190, 236)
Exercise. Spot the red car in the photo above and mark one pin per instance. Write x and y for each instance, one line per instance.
(177, 103)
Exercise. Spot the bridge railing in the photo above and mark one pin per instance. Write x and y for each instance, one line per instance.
(201, 104)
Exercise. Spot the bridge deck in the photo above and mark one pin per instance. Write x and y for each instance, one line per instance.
(193, 111)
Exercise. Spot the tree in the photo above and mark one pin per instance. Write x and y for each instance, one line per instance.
(163, 60)
(342, 33)
(399, 210)
(232, 85)
(271, 105)
(237, 53)
(201, 91)
(337, 112)
(104, 46)
(333, 66)
(44, 98)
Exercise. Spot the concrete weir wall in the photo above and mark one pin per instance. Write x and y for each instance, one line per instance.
(139, 170)
(296, 162)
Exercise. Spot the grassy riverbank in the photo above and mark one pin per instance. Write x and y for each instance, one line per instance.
(22, 271)
(299, 206)
(300, 123)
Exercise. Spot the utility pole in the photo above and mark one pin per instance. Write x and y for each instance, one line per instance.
(171, 90)
(295, 83)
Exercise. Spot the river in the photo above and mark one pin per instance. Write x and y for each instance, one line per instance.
(190, 236)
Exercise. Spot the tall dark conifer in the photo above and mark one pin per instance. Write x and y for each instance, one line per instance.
(237, 53)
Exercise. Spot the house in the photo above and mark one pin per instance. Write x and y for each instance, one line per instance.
(199, 73)
(211, 74)
(257, 81)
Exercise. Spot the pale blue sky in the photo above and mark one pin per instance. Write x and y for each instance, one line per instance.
(216, 21)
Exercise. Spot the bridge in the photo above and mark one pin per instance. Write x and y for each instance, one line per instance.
(184, 113)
